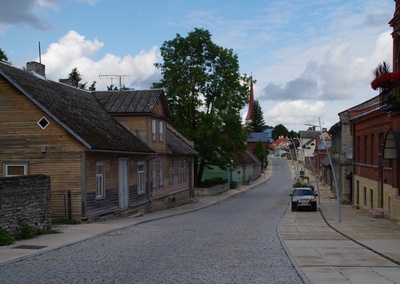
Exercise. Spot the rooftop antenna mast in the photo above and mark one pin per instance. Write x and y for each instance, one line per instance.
(40, 54)
(115, 76)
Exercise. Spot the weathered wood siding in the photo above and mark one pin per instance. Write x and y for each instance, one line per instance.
(110, 203)
(176, 185)
(21, 140)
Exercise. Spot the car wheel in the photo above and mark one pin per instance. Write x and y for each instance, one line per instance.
(314, 206)
(294, 206)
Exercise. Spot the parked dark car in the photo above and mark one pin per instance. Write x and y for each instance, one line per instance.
(303, 197)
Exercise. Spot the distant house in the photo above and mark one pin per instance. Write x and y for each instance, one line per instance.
(255, 137)
(103, 152)
(279, 146)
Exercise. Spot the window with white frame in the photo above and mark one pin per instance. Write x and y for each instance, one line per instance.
(161, 178)
(161, 131)
(15, 169)
(100, 188)
(171, 172)
(154, 174)
(141, 178)
(154, 130)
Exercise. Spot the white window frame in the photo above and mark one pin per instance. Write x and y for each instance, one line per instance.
(154, 130)
(154, 174)
(141, 170)
(161, 131)
(15, 164)
(100, 181)
(161, 171)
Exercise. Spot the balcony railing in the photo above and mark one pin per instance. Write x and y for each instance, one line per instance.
(390, 100)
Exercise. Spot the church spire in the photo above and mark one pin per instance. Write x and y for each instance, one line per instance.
(249, 116)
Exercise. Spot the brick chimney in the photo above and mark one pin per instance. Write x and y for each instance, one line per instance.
(36, 67)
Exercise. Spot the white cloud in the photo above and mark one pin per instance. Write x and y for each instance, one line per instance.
(73, 50)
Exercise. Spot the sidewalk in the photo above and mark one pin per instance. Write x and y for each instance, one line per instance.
(359, 249)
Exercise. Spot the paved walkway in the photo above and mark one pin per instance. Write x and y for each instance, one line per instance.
(359, 249)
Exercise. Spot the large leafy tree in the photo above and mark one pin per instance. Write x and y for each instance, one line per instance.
(205, 93)
(257, 122)
(279, 130)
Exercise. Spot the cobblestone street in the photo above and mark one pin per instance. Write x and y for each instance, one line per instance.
(234, 241)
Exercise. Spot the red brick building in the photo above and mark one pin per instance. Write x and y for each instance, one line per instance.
(376, 142)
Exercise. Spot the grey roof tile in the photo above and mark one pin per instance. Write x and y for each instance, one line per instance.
(78, 111)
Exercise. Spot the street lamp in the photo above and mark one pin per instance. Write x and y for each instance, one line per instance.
(297, 162)
(333, 170)
(295, 167)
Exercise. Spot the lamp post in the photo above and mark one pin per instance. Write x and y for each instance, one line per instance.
(333, 171)
(295, 166)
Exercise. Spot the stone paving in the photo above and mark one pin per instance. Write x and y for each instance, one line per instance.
(359, 249)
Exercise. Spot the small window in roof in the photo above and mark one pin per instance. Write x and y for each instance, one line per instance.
(43, 123)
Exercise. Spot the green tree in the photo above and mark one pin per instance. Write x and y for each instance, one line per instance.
(293, 134)
(112, 88)
(278, 131)
(260, 152)
(75, 77)
(258, 123)
(3, 57)
(205, 93)
(92, 87)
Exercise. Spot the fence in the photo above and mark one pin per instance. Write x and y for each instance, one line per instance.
(61, 204)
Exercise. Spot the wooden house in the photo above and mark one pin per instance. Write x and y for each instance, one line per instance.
(99, 160)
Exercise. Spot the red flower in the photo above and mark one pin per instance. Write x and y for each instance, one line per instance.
(386, 80)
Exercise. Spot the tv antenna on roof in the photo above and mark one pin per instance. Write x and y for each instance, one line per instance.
(115, 77)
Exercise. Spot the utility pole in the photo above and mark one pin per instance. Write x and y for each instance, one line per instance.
(115, 77)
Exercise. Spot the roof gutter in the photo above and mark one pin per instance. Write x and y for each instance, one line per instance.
(123, 152)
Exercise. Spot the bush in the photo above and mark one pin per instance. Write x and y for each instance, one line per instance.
(25, 232)
(5, 238)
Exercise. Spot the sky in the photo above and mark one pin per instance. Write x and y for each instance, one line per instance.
(311, 59)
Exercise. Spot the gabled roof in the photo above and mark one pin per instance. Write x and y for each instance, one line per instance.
(132, 102)
(309, 134)
(177, 144)
(77, 111)
(249, 158)
(259, 136)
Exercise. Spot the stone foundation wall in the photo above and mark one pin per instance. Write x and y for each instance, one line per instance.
(214, 190)
(25, 200)
(169, 201)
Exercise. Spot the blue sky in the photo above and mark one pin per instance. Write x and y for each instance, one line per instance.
(311, 58)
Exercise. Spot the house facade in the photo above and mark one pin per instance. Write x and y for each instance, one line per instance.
(99, 162)
(375, 139)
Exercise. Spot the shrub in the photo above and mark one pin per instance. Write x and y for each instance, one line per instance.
(5, 238)
(25, 232)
